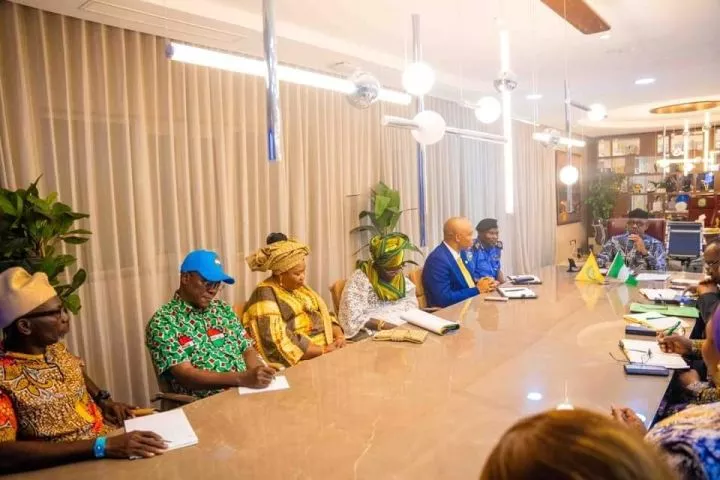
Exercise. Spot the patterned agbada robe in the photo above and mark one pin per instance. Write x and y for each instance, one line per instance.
(44, 397)
(284, 324)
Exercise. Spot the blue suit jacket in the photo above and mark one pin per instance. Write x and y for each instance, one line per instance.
(443, 281)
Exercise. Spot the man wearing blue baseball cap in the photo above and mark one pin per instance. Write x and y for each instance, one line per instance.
(197, 343)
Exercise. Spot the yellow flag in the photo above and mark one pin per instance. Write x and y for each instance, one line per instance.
(590, 272)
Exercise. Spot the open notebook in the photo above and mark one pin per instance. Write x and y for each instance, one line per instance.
(660, 294)
(655, 321)
(649, 353)
(673, 310)
(173, 426)
(422, 319)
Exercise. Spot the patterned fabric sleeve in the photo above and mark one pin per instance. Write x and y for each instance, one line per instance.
(355, 306)
(696, 350)
(704, 392)
(8, 419)
(276, 342)
(163, 340)
(608, 253)
(655, 258)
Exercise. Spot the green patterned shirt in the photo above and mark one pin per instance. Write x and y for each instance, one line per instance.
(211, 339)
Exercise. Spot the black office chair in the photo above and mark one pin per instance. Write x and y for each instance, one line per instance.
(684, 242)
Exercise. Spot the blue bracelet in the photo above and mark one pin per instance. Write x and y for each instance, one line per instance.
(99, 447)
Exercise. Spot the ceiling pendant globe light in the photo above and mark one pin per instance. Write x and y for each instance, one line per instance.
(569, 174)
(418, 78)
(596, 112)
(488, 110)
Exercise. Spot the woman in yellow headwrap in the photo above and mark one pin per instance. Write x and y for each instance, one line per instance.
(378, 290)
(288, 320)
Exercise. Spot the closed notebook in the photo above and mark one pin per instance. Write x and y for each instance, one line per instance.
(649, 353)
(516, 292)
(429, 322)
(524, 279)
(669, 310)
(173, 426)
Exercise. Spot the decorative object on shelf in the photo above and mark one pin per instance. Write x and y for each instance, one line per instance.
(681, 206)
(657, 205)
(33, 230)
(652, 187)
(569, 206)
(637, 188)
(702, 202)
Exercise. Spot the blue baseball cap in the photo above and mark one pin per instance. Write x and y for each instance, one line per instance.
(207, 265)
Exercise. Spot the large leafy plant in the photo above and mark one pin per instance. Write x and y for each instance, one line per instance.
(33, 230)
(383, 216)
(603, 194)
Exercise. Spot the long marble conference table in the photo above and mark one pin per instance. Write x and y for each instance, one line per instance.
(382, 410)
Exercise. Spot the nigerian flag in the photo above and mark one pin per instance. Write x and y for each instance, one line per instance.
(619, 270)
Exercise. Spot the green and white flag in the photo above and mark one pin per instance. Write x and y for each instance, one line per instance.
(619, 270)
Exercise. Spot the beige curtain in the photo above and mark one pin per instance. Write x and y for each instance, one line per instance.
(167, 158)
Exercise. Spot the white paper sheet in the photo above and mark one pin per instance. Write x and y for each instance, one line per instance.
(393, 318)
(429, 322)
(173, 426)
(279, 383)
(634, 351)
(516, 292)
(654, 320)
(650, 277)
(666, 294)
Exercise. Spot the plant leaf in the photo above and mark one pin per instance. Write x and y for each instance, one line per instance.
(75, 240)
(366, 228)
(7, 207)
(78, 278)
(72, 302)
(381, 203)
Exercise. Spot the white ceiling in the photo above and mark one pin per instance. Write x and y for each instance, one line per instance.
(677, 42)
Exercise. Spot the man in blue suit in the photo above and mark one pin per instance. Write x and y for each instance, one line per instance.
(446, 277)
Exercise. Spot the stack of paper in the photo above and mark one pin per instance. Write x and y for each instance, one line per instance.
(428, 321)
(516, 292)
(674, 310)
(655, 321)
(650, 277)
(649, 353)
(660, 294)
(684, 282)
(173, 426)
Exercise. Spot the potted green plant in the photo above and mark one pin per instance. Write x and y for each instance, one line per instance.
(33, 230)
(602, 195)
(383, 216)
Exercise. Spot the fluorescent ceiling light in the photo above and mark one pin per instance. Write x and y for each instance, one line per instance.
(253, 66)
(534, 96)
(568, 142)
(644, 81)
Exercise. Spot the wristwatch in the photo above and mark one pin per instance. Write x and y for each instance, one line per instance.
(101, 396)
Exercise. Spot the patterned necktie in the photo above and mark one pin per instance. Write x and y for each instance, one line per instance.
(466, 274)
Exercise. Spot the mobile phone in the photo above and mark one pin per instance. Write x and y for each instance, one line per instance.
(639, 369)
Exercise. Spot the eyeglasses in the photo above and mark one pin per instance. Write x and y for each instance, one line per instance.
(207, 284)
(57, 313)
(635, 223)
(712, 264)
(644, 358)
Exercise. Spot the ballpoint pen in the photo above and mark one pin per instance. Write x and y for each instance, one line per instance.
(673, 328)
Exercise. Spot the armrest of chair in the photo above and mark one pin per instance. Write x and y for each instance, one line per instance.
(174, 397)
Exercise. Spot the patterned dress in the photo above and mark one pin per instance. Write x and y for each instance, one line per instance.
(285, 323)
(44, 397)
(360, 303)
(212, 339)
(690, 441)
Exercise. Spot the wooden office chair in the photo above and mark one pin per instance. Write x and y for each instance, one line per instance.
(336, 290)
(169, 400)
(416, 277)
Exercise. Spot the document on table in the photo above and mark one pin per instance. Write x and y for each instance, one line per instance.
(649, 353)
(655, 320)
(684, 282)
(674, 310)
(516, 292)
(393, 318)
(524, 279)
(662, 294)
(173, 426)
(279, 383)
(650, 277)
(429, 322)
